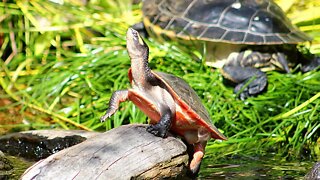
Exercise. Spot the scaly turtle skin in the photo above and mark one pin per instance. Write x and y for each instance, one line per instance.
(167, 100)
(240, 36)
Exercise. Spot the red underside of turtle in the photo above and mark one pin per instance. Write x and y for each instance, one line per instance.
(185, 119)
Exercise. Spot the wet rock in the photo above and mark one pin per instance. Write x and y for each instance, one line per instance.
(127, 152)
(314, 173)
(39, 144)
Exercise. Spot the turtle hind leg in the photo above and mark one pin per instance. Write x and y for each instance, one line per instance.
(242, 76)
(116, 98)
(197, 156)
(162, 127)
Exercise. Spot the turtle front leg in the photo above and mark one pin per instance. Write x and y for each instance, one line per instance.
(310, 64)
(197, 156)
(116, 98)
(162, 127)
(241, 76)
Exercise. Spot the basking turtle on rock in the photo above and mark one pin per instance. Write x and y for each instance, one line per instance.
(243, 38)
(169, 102)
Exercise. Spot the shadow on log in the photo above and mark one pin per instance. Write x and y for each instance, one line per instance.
(39, 144)
(127, 152)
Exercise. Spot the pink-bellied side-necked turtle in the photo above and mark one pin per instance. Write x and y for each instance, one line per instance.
(243, 38)
(169, 102)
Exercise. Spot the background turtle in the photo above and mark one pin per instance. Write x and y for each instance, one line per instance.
(240, 36)
(167, 100)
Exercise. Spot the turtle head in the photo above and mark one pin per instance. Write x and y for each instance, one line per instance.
(136, 47)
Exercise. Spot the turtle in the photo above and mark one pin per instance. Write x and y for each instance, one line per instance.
(169, 102)
(243, 38)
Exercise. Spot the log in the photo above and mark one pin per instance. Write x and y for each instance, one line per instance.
(127, 152)
(314, 173)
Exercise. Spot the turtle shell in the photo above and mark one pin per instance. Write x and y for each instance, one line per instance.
(231, 21)
(189, 100)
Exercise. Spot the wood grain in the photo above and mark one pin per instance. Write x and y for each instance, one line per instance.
(127, 152)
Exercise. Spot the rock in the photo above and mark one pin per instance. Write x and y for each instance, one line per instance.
(127, 152)
(314, 173)
(39, 144)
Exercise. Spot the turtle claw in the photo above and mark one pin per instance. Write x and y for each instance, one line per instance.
(311, 65)
(162, 127)
(157, 130)
(108, 114)
(104, 117)
(257, 86)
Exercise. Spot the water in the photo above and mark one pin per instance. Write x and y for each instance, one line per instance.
(254, 167)
(231, 168)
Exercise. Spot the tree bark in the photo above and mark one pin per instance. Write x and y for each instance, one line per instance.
(314, 173)
(127, 152)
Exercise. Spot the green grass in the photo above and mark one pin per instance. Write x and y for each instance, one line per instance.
(60, 64)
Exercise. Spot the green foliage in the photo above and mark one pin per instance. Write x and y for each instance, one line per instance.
(61, 62)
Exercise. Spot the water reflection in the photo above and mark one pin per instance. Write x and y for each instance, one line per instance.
(254, 167)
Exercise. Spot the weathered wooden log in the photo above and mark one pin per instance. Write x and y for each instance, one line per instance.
(127, 152)
(314, 173)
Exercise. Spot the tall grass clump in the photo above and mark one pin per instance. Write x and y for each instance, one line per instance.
(62, 61)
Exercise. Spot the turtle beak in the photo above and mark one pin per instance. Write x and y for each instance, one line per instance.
(135, 45)
(134, 37)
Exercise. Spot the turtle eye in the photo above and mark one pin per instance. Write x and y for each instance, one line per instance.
(135, 34)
